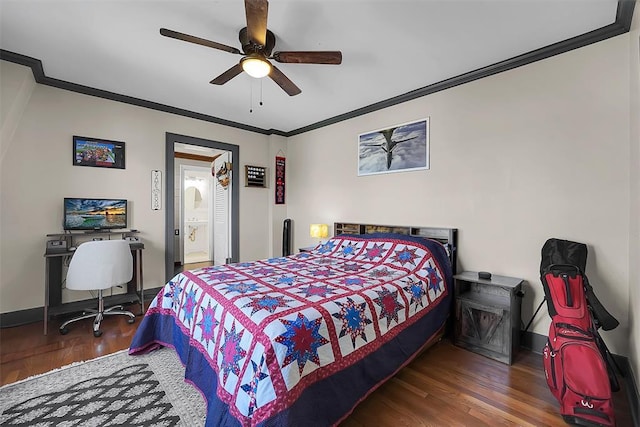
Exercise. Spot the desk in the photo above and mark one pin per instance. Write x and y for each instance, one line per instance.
(54, 277)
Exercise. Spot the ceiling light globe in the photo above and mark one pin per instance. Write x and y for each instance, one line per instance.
(256, 66)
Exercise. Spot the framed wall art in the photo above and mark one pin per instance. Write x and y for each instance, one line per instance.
(399, 148)
(98, 152)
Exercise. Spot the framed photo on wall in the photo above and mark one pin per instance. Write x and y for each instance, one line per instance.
(96, 152)
(399, 148)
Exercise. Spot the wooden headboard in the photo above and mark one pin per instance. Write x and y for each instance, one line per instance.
(446, 236)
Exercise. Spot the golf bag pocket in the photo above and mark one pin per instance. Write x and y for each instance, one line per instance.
(565, 295)
(577, 376)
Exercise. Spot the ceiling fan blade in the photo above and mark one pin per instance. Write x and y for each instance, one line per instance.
(314, 57)
(197, 40)
(283, 81)
(256, 11)
(227, 75)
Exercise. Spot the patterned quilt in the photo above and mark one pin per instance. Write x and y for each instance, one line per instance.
(300, 340)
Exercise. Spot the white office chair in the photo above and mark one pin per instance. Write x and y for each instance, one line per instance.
(99, 265)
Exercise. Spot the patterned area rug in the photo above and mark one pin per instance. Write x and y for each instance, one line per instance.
(117, 389)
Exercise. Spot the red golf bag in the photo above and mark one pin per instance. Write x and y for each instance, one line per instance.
(577, 364)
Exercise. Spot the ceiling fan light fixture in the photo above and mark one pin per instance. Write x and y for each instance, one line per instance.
(256, 66)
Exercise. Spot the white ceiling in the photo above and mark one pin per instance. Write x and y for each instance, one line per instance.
(389, 48)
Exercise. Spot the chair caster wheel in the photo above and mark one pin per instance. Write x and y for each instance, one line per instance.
(131, 320)
(64, 331)
(97, 333)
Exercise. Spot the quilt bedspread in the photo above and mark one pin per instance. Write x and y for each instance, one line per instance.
(265, 341)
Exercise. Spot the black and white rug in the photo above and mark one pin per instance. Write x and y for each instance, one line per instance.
(117, 389)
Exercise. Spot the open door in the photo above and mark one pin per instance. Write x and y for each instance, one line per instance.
(222, 209)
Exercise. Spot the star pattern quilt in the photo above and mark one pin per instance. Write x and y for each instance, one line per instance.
(300, 340)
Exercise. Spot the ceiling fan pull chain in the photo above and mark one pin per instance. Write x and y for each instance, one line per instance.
(260, 92)
(251, 97)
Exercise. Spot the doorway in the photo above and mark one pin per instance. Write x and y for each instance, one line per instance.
(196, 204)
(173, 233)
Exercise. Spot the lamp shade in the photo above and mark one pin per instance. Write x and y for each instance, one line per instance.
(256, 66)
(319, 231)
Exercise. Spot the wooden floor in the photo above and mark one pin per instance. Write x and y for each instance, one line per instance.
(179, 268)
(445, 386)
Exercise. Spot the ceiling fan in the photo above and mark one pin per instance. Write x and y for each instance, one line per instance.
(257, 46)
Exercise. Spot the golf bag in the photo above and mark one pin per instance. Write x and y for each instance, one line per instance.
(577, 364)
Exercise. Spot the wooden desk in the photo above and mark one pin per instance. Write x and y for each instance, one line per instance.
(54, 262)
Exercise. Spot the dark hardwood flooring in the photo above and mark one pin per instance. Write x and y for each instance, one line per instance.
(445, 386)
(179, 268)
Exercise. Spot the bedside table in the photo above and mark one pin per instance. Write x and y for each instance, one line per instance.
(487, 315)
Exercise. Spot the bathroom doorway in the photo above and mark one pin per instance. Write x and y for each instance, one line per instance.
(216, 238)
(197, 206)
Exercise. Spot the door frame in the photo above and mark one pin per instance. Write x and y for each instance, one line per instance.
(170, 140)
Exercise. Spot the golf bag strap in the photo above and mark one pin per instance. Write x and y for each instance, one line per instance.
(603, 318)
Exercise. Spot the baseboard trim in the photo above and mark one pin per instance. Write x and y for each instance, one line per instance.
(532, 341)
(33, 315)
(631, 387)
(21, 317)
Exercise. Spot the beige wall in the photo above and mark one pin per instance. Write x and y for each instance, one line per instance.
(537, 152)
(634, 232)
(17, 85)
(36, 173)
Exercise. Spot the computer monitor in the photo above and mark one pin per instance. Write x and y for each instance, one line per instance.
(94, 214)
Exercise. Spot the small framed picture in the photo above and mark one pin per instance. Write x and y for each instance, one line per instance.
(400, 148)
(96, 152)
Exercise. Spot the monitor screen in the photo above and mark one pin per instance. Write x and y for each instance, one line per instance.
(94, 214)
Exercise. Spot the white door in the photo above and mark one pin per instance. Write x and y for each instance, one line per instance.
(222, 209)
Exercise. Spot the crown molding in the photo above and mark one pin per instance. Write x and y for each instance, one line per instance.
(41, 78)
(622, 24)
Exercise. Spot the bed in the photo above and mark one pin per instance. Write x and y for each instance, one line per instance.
(302, 339)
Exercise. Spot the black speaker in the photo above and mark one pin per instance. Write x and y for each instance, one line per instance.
(286, 237)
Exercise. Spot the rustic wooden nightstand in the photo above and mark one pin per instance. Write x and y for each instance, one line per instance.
(487, 315)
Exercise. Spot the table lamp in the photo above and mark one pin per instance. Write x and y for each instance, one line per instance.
(319, 231)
